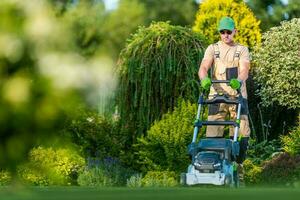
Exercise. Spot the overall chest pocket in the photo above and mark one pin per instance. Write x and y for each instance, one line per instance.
(231, 73)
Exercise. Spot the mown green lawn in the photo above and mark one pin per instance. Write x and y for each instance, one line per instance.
(186, 193)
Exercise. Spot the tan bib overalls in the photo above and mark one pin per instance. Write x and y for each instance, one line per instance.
(225, 67)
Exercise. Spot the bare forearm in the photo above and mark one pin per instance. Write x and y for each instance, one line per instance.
(243, 76)
(244, 71)
(202, 73)
(204, 67)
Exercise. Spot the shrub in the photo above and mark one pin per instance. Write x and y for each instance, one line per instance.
(278, 65)
(263, 151)
(211, 11)
(282, 169)
(107, 172)
(177, 12)
(165, 146)
(120, 24)
(97, 135)
(252, 172)
(134, 181)
(42, 75)
(291, 142)
(94, 177)
(160, 179)
(5, 177)
(158, 65)
(48, 166)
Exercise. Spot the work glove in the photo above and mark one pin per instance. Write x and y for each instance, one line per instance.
(235, 83)
(206, 83)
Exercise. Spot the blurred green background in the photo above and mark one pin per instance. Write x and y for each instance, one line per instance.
(74, 103)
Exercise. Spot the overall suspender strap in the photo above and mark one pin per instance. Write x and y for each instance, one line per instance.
(217, 51)
(237, 55)
(216, 57)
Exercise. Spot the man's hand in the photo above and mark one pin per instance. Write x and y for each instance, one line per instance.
(206, 83)
(235, 83)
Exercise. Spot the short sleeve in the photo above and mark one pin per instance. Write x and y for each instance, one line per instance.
(245, 55)
(209, 52)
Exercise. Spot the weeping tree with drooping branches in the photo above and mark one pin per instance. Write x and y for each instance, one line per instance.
(158, 65)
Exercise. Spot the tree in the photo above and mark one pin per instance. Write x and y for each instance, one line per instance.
(86, 22)
(272, 12)
(121, 23)
(42, 76)
(277, 64)
(158, 65)
(60, 5)
(292, 9)
(211, 11)
(177, 12)
(100, 31)
(274, 92)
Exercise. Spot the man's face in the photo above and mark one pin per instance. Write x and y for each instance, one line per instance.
(227, 36)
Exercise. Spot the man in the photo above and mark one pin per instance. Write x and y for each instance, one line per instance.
(227, 61)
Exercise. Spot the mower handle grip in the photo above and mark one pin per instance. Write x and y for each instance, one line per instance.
(224, 81)
(220, 81)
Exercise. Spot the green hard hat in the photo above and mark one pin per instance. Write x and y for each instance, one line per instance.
(226, 23)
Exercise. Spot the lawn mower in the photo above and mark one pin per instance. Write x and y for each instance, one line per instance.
(214, 159)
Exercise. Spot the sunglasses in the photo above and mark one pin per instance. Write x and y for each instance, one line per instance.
(226, 31)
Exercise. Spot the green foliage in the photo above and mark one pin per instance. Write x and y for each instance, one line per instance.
(282, 169)
(48, 166)
(277, 63)
(160, 179)
(165, 145)
(158, 65)
(87, 29)
(5, 178)
(291, 142)
(211, 11)
(272, 12)
(134, 181)
(119, 24)
(61, 5)
(97, 135)
(269, 122)
(252, 172)
(43, 77)
(106, 173)
(94, 177)
(177, 12)
(98, 31)
(31, 104)
(260, 152)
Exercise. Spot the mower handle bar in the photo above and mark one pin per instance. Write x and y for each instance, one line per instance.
(224, 81)
(220, 81)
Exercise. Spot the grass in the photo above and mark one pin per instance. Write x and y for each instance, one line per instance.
(186, 193)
